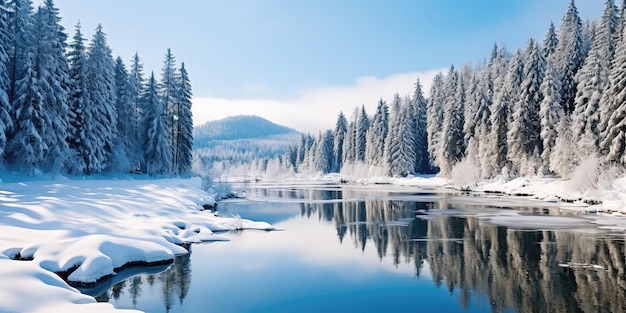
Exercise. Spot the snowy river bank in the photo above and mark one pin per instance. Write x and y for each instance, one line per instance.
(89, 229)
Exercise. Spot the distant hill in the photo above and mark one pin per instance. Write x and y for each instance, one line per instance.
(242, 138)
(238, 127)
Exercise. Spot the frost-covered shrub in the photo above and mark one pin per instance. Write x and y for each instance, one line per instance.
(465, 173)
(586, 175)
(223, 190)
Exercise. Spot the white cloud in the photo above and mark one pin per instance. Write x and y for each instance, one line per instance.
(315, 109)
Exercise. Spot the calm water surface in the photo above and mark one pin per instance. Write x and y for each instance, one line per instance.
(372, 249)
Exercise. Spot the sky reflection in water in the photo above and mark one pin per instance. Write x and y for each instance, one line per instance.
(371, 254)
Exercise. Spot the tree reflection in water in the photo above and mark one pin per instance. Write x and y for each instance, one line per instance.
(174, 283)
(516, 269)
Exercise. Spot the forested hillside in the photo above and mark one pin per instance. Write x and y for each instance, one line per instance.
(72, 107)
(546, 109)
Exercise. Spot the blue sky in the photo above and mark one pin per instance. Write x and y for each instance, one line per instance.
(299, 62)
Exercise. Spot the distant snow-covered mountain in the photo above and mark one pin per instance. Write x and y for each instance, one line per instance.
(242, 138)
(238, 127)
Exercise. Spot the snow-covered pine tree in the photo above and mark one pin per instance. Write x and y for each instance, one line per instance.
(26, 148)
(125, 139)
(434, 117)
(339, 136)
(571, 54)
(158, 152)
(550, 113)
(362, 126)
(403, 152)
(419, 103)
(376, 135)
(453, 149)
(169, 86)
(78, 97)
(5, 107)
(392, 140)
(482, 131)
(613, 108)
(100, 115)
(136, 82)
(53, 79)
(524, 133)
(593, 78)
(21, 44)
(184, 142)
(550, 43)
(324, 154)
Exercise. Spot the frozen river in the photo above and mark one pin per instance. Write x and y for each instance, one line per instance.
(389, 249)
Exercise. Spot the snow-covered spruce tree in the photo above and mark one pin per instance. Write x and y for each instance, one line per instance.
(392, 140)
(493, 153)
(5, 107)
(524, 133)
(550, 43)
(482, 131)
(125, 139)
(137, 81)
(26, 148)
(434, 117)
(403, 152)
(53, 79)
(78, 97)
(362, 126)
(550, 113)
(471, 107)
(419, 103)
(100, 117)
(339, 136)
(453, 149)
(349, 146)
(168, 87)
(324, 152)
(184, 132)
(613, 108)
(570, 54)
(376, 135)
(158, 152)
(593, 77)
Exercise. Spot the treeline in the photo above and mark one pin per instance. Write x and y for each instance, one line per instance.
(545, 109)
(74, 108)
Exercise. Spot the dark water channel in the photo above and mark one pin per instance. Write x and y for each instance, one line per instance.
(387, 249)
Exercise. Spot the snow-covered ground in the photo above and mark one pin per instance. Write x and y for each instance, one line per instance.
(89, 228)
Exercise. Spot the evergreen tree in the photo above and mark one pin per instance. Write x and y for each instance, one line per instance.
(5, 107)
(184, 132)
(562, 159)
(524, 133)
(362, 126)
(550, 43)
(99, 112)
(169, 86)
(419, 103)
(324, 152)
(136, 82)
(376, 135)
(125, 140)
(158, 152)
(403, 152)
(434, 116)
(78, 96)
(593, 78)
(453, 148)
(613, 107)
(393, 140)
(550, 113)
(571, 54)
(339, 136)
